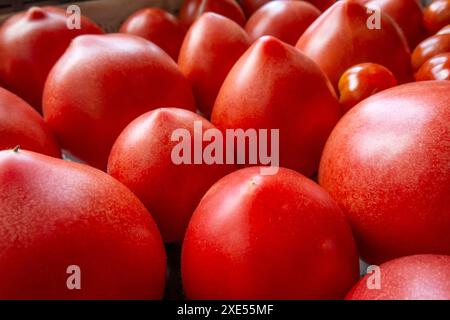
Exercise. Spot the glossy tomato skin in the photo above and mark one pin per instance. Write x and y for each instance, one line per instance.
(56, 214)
(344, 26)
(102, 83)
(193, 9)
(285, 20)
(407, 14)
(274, 86)
(141, 158)
(212, 46)
(21, 125)
(444, 30)
(276, 236)
(361, 81)
(429, 48)
(30, 44)
(158, 26)
(386, 163)
(436, 68)
(419, 277)
(437, 15)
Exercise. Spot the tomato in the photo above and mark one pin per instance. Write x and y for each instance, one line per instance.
(158, 26)
(429, 48)
(437, 15)
(102, 83)
(444, 30)
(274, 86)
(212, 46)
(407, 14)
(363, 80)
(141, 159)
(57, 214)
(193, 9)
(30, 44)
(340, 38)
(419, 277)
(436, 68)
(285, 20)
(259, 236)
(21, 125)
(387, 164)
(250, 6)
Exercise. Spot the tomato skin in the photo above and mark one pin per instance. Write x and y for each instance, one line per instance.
(436, 68)
(102, 83)
(274, 86)
(141, 160)
(429, 48)
(363, 80)
(158, 26)
(57, 213)
(285, 20)
(344, 26)
(437, 15)
(30, 44)
(386, 163)
(212, 46)
(419, 277)
(407, 14)
(257, 237)
(193, 9)
(21, 125)
(444, 30)
(251, 6)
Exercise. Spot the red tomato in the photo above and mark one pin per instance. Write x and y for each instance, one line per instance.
(21, 125)
(429, 48)
(141, 159)
(250, 6)
(444, 30)
(102, 83)
(193, 9)
(285, 20)
(437, 68)
(363, 80)
(257, 236)
(407, 14)
(30, 44)
(387, 164)
(437, 15)
(212, 46)
(420, 277)
(340, 38)
(274, 86)
(158, 26)
(56, 214)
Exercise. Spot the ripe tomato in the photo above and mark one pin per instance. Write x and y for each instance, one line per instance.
(250, 6)
(193, 9)
(141, 159)
(285, 20)
(212, 46)
(387, 164)
(257, 236)
(158, 26)
(363, 80)
(407, 14)
(340, 38)
(429, 48)
(436, 68)
(21, 125)
(444, 30)
(437, 15)
(56, 214)
(30, 44)
(102, 83)
(274, 86)
(420, 277)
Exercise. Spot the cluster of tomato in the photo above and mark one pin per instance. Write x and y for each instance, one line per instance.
(364, 130)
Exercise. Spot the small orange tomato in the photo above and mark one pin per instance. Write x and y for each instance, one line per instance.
(363, 80)
(436, 68)
(428, 48)
(437, 15)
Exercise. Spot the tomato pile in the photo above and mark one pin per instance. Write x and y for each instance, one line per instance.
(355, 96)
